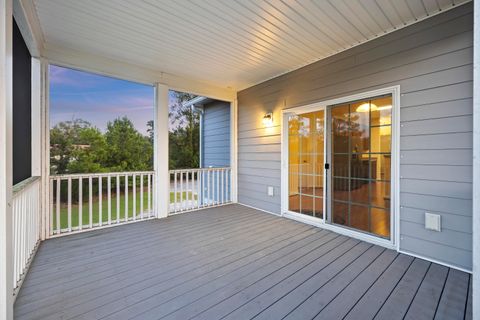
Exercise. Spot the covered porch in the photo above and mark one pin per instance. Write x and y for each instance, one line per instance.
(234, 262)
(340, 177)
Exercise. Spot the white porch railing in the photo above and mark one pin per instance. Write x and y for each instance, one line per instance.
(192, 189)
(87, 201)
(26, 226)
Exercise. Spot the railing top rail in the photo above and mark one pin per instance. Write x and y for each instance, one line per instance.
(200, 169)
(22, 185)
(100, 174)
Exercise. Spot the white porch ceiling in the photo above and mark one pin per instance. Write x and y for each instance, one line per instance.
(229, 44)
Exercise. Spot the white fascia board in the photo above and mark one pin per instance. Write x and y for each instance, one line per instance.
(123, 70)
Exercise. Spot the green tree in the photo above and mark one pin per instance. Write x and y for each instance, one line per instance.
(150, 130)
(184, 134)
(127, 149)
(64, 138)
(91, 155)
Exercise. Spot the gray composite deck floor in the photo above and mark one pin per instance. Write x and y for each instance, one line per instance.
(233, 262)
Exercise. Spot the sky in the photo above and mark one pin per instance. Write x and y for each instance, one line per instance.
(99, 99)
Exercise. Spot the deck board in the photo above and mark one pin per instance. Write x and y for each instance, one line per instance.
(233, 262)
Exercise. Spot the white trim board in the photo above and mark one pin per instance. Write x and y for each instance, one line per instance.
(74, 59)
(6, 170)
(266, 211)
(27, 20)
(394, 242)
(476, 163)
(234, 151)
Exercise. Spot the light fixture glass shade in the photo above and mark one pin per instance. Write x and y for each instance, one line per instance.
(365, 107)
(268, 119)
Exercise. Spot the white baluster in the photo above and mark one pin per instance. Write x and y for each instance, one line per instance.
(118, 198)
(209, 199)
(50, 225)
(69, 195)
(187, 190)
(100, 201)
(109, 199)
(175, 207)
(181, 190)
(58, 206)
(149, 195)
(126, 198)
(134, 193)
(222, 186)
(80, 203)
(90, 203)
(141, 196)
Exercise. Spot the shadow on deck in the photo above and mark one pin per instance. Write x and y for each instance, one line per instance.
(233, 262)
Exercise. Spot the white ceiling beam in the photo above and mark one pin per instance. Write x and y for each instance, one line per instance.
(27, 20)
(118, 69)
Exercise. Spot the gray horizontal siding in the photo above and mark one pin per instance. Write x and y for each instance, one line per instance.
(432, 63)
(216, 134)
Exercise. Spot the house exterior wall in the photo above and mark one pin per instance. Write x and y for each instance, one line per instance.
(216, 134)
(432, 63)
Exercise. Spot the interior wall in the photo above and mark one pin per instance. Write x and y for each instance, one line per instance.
(432, 63)
(22, 108)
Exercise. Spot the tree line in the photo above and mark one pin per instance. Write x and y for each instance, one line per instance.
(78, 147)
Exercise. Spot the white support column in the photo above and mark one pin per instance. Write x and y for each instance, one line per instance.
(44, 149)
(6, 171)
(476, 161)
(36, 117)
(162, 195)
(233, 150)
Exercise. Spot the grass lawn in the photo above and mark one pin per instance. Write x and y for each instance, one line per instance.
(95, 207)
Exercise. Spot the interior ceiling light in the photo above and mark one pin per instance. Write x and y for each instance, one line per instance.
(365, 107)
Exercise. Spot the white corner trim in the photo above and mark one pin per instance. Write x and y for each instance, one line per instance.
(45, 149)
(476, 162)
(6, 169)
(36, 110)
(234, 150)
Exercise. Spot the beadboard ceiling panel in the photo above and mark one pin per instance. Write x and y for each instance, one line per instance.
(229, 44)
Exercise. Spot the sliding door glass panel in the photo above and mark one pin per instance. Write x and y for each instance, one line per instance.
(306, 163)
(359, 128)
(340, 213)
(360, 137)
(381, 114)
(359, 217)
(380, 222)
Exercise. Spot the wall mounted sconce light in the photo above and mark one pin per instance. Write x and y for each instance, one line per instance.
(268, 119)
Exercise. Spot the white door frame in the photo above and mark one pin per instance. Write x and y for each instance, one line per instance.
(393, 242)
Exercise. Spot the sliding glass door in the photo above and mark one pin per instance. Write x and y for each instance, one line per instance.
(360, 153)
(339, 164)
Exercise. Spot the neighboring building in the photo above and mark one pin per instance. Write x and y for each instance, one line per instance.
(214, 140)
